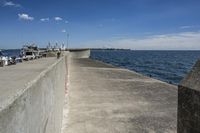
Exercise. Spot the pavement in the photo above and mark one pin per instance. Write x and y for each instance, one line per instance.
(15, 79)
(106, 99)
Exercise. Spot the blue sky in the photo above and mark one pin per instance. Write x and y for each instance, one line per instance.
(135, 24)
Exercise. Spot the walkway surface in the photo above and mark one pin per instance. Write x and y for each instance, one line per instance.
(105, 99)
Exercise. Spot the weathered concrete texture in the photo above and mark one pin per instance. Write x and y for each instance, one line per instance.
(189, 102)
(32, 96)
(79, 53)
(105, 99)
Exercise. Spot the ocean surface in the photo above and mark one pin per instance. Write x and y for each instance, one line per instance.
(168, 66)
(10, 53)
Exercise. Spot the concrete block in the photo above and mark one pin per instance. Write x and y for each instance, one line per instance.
(189, 102)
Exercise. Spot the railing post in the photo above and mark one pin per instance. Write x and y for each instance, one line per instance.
(189, 102)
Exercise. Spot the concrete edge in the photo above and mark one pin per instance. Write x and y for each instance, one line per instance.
(13, 98)
(190, 76)
(131, 71)
(107, 64)
(150, 78)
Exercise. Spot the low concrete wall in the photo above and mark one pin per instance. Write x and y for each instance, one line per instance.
(39, 108)
(80, 53)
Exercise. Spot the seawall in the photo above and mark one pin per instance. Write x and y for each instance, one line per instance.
(79, 53)
(97, 98)
(32, 96)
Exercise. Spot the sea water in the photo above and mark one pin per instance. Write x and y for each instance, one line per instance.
(168, 66)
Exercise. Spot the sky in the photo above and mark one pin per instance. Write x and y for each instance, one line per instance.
(134, 24)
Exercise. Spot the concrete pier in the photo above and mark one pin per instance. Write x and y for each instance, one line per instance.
(105, 99)
(99, 98)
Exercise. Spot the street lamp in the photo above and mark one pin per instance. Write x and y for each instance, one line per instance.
(67, 41)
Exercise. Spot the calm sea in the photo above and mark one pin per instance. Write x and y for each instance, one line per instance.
(15, 52)
(168, 66)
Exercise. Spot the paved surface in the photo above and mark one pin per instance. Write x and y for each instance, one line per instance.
(105, 99)
(14, 79)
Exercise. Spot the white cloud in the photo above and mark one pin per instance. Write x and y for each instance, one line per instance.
(58, 18)
(66, 22)
(64, 31)
(190, 27)
(176, 41)
(186, 27)
(44, 19)
(24, 16)
(11, 4)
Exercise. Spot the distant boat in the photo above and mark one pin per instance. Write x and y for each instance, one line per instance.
(30, 52)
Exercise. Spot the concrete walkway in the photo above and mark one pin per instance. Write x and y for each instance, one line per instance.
(105, 99)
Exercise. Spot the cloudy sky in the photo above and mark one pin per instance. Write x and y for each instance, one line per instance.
(135, 24)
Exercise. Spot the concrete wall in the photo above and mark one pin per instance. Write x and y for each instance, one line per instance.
(189, 102)
(80, 53)
(39, 108)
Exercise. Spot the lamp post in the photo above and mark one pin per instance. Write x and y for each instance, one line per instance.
(67, 41)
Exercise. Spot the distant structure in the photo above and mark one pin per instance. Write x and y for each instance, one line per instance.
(55, 47)
(63, 47)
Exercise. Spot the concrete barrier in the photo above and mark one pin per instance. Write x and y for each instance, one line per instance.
(189, 102)
(38, 109)
(79, 53)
